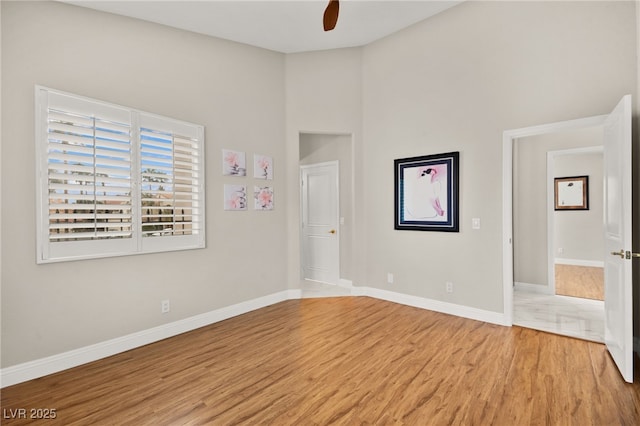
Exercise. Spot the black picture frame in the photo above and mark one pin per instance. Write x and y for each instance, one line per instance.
(427, 193)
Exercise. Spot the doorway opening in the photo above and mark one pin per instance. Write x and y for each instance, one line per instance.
(617, 208)
(553, 240)
(326, 213)
(320, 213)
(576, 235)
(510, 194)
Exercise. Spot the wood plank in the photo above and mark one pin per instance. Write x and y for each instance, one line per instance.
(352, 360)
(580, 281)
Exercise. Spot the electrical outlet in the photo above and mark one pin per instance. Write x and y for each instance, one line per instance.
(449, 286)
(560, 250)
(165, 306)
(390, 278)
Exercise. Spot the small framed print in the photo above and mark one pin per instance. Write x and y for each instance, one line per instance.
(262, 167)
(571, 193)
(234, 163)
(426, 193)
(263, 197)
(235, 197)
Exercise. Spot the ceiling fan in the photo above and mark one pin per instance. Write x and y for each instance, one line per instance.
(330, 17)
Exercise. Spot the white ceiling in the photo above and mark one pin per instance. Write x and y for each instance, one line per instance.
(285, 26)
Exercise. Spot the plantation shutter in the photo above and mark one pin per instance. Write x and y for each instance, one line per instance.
(171, 173)
(115, 181)
(89, 173)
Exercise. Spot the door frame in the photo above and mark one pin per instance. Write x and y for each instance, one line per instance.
(508, 139)
(336, 164)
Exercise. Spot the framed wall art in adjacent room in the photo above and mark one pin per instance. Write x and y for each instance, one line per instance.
(571, 193)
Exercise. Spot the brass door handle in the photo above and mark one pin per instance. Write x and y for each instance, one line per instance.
(618, 253)
(625, 254)
(333, 231)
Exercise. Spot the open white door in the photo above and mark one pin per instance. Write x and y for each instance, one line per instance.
(618, 322)
(320, 242)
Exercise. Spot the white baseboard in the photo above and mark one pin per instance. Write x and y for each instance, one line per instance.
(433, 305)
(59, 362)
(578, 262)
(359, 291)
(345, 283)
(532, 288)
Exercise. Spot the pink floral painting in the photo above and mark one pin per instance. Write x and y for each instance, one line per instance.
(263, 198)
(426, 192)
(235, 197)
(262, 167)
(234, 163)
(428, 185)
(425, 188)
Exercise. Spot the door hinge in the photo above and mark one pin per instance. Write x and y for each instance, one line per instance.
(629, 254)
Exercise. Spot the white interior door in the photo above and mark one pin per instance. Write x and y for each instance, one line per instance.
(320, 211)
(618, 323)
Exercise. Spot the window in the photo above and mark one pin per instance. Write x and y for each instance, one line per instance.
(115, 181)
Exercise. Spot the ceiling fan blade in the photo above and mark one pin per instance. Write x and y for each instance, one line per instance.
(330, 17)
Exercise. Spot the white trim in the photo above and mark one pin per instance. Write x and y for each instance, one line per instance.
(579, 262)
(507, 226)
(576, 151)
(360, 291)
(508, 139)
(559, 126)
(432, 305)
(345, 283)
(551, 223)
(533, 288)
(52, 364)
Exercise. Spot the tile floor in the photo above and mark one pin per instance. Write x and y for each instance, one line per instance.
(569, 316)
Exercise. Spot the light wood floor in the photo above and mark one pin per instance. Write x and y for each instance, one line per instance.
(580, 281)
(344, 361)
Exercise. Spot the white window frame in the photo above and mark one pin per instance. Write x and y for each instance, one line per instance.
(58, 251)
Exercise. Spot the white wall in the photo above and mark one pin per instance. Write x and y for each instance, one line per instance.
(579, 233)
(236, 91)
(456, 82)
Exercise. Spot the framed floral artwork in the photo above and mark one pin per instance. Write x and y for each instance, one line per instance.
(263, 197)
(235, 197)
(262, 167)
(426, 193)
(234, 163)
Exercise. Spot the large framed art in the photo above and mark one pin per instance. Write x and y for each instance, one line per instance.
(426, 193)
